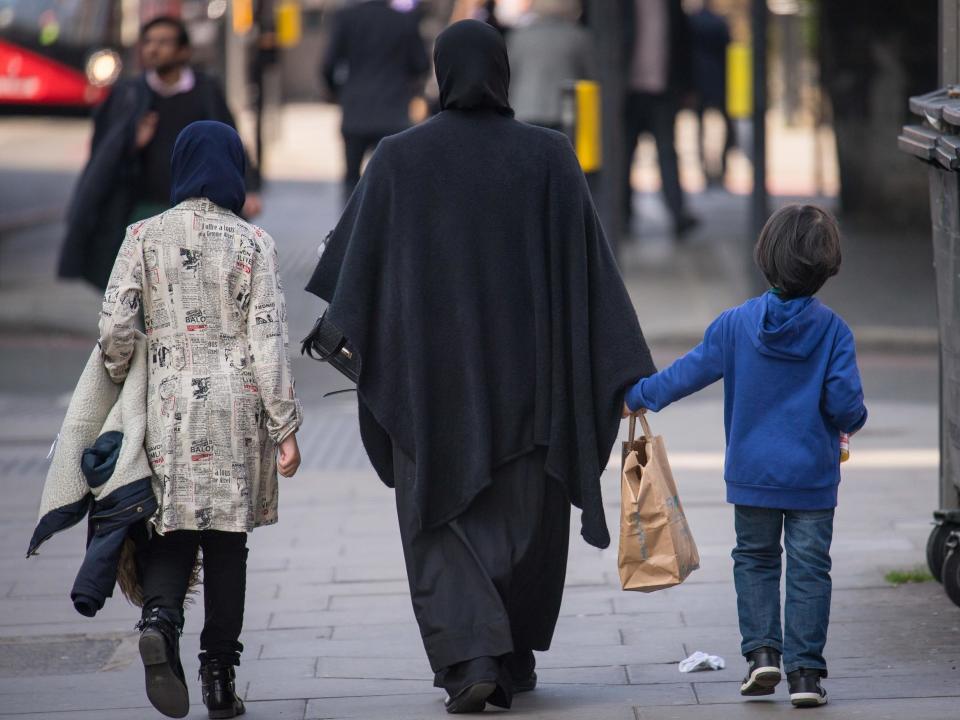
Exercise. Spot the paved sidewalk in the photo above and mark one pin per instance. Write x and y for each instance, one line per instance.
(330, 633)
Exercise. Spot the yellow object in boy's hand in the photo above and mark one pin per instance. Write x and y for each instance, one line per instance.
(844, 447)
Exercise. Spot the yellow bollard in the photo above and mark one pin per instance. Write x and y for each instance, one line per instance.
(242, 16)
(289, 23)
(739, 81)
(589, 144)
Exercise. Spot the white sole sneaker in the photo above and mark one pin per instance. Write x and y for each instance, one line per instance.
(762, 681)
(808, 699)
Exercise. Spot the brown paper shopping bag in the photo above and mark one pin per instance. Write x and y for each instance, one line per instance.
(656, 547)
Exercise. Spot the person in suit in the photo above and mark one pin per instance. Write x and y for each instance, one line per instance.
(374, 65)
(657, 49)
(549, 51)
(711, 36)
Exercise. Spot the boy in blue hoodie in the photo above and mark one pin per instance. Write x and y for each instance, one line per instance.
(791, 386)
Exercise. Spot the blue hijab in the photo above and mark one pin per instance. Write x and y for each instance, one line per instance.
(209, 162)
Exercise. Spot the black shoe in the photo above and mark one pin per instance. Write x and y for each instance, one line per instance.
(160, 652)
(805, 690)
(684, 224)
(520, 665)
(763, 674)
(219, 686)
(471, 700)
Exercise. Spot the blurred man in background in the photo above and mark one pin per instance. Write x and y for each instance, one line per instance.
(656, 36)
(711, 36)
(127, 177)
(549, 51)
(375, 65)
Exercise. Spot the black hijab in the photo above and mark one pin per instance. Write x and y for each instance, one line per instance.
(208, 161)
(472, 68)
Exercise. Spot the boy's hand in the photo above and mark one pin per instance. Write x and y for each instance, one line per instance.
(289, 459)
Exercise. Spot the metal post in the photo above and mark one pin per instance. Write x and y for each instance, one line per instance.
(606, 25)
(758, 205)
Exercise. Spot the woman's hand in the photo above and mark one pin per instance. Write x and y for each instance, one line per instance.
(289, 459)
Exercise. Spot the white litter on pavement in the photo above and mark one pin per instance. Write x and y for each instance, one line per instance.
(701, 661)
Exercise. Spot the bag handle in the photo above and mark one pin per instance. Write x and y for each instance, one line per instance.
(644, 425)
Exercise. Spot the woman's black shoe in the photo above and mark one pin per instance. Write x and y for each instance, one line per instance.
(472, 700)
(520, 664)
(763, 674)
(160, 652)
(219, 686)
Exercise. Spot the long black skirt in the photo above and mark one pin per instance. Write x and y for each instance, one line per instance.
(487, 586)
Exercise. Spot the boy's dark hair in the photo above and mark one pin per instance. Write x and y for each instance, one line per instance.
(799, 250)
(183, 37)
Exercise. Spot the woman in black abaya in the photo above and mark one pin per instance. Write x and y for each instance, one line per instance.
(496, 341)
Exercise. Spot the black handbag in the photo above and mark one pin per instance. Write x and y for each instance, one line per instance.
(327, 343)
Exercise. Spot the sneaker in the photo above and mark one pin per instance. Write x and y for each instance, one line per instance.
(763, 674)
(805, 690)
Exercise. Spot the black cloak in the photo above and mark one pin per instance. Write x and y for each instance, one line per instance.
(470, 272)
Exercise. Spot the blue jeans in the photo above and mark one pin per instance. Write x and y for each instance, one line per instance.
(756, 574)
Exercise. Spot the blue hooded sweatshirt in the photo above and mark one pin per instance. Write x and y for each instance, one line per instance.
(791, 386)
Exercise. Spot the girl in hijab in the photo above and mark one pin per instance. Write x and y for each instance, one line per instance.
(496, 341)
(220, 402)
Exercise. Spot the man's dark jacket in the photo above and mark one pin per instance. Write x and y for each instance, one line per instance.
(680, 79)
(105, 194)
(374, 61)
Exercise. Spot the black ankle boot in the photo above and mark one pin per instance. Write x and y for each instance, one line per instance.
(160, 652)
(218, 683)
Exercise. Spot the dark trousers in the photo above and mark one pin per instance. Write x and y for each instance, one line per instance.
(712, 174)
(487, 586)
(655, 114)
(356, 146)
(756, 573)
(166, 563)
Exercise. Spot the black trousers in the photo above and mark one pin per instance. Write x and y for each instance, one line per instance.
(655, 114)
(356, 146)
(487, 586)
(710, 171)
(166, 562)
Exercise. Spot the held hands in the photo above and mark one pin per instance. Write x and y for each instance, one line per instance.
(627, 412)
(289, 459)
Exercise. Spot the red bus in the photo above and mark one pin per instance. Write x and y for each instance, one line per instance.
(58, 54)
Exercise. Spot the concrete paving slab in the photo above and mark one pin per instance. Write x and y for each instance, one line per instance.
(914, 709)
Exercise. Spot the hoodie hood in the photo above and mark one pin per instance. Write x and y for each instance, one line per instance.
(790, 329)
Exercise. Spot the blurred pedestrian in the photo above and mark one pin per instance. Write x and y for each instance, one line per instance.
(545, 54)
(483, 10)
(711, 36)
(374, 66)
(657, 43)
(127, 177)
(220, 402)
(496, 340)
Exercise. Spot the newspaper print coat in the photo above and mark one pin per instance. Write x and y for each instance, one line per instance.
(220, 391)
